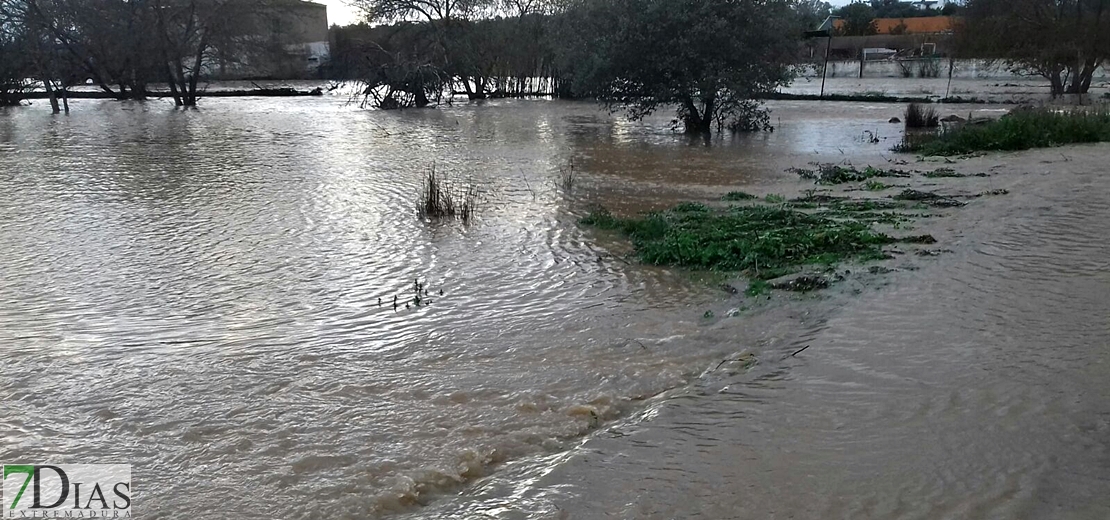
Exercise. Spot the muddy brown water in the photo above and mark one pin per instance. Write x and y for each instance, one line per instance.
(196, 293)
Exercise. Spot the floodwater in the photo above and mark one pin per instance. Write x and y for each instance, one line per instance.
(196, 293)
(969, 386)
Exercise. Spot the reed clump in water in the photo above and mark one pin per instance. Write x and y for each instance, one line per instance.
(567, 178)
(919, 116)
(1018, 130)
(439, 198)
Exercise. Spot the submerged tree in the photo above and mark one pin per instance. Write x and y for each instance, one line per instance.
(1064, 41)
(195, 35)
(710, 58)
(450, 21)
(15, 68)
(401, 67)
(123, 45)
(111, 42)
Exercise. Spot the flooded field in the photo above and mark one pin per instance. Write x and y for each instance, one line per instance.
(197, 293)
(972, 385)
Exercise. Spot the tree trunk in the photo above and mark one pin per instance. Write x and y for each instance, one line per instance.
(1057, 84)
(420, 97)
(191, 96)
(698, 121)
(53, 97)
(177, 101)
(138, 90)
(479, 90)
(1087, 75)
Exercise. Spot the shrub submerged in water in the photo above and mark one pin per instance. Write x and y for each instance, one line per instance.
(764, 241)
(918, 116)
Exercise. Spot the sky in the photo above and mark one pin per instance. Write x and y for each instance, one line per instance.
(339, 13)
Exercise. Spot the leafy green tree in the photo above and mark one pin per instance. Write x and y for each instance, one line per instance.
(899, 9)
(859, 20)
(812, 12)
(708, 58)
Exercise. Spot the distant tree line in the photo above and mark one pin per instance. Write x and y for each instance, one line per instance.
(123, 46)
(710, 58)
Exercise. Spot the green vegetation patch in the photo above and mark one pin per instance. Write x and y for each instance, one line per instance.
(945, 173)
(735, 196)
(765, 242)
(840, 174)
(864, 210)
(1018, 130)
(874, 185)
(929, 198)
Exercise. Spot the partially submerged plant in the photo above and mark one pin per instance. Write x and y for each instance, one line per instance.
(765, 242)
(918, 116)
(438, 198)
(567, 178)
(735, 196)
(928, 197)
(874, 185)
(827, 173)
(757, 287)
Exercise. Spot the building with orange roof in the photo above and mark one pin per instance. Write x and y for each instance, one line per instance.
(922, 25)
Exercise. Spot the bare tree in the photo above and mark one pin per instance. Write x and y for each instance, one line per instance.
(196, 34)
(429, 10)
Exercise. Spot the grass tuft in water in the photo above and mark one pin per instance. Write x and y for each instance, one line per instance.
(1018, 130)
(757, 287)
(918, 116)
(439, 199)
(764, 242)
(567, 178)
(874, 185)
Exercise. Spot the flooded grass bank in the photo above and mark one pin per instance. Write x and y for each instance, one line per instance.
(773, 237)
(1018, 130)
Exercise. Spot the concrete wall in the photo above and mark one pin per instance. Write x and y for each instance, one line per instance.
(296, 22)
(965, 69)
(290, 42)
